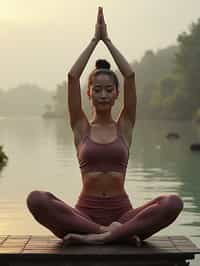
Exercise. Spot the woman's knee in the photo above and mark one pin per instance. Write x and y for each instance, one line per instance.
(36, 199)
(172, 205)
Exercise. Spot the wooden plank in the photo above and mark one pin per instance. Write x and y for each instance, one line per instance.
(56, 262)
(95, 263)
(49, 247)
(10, 250)
(18, 236)
(159, 238)
(31, 245)
(2, 240)
(184, 245)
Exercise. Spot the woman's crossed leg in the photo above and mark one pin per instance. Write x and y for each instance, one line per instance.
(148, 219)
(143, 222)
(58, 216)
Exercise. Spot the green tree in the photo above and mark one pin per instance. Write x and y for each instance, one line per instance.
(188, 66)
(153, 80)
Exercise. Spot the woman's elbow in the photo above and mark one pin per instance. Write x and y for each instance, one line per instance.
(72, 75)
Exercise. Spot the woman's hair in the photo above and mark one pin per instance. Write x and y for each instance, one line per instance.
(102, 67)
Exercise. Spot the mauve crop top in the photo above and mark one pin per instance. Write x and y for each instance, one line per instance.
(103, 157)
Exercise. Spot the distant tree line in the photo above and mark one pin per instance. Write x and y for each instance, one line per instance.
(168, 81)
(177, 94)
(25, 99)
(168, 86)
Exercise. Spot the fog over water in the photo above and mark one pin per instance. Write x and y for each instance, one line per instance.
(40, 40)
(42, 156)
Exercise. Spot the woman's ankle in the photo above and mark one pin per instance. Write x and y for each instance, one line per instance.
(103, 229)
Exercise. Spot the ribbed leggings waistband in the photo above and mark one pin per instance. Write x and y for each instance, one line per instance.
(104, 210)
(110, 201)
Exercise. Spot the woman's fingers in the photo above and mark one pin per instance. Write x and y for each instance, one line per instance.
(101, 29)
(98, 24)
(100, 12)
(102, 17)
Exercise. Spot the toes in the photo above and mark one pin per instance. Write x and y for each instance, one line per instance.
(66, 240)
(67, 237)
(71, 239)
(135, 240)
(114, 225)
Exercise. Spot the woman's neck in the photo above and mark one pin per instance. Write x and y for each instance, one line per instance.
(102, 119)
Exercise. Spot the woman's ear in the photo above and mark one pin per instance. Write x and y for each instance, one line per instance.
(88, 93)
(116, 93)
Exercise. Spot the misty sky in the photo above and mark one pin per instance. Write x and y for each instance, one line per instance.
(41, 39)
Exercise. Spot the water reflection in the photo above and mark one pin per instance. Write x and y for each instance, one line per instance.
(42, 156)
(172, 168)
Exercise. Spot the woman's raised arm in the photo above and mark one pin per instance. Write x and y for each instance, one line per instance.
(74, 93)
(128, 112)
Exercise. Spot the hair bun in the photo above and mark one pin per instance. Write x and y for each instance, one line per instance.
(102, 63)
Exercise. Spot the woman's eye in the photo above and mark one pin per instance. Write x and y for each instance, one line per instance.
(96, 88)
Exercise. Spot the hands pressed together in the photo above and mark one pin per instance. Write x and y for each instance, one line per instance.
(100, 29)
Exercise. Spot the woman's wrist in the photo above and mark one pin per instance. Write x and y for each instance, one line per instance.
(94, 40)
(106, 40)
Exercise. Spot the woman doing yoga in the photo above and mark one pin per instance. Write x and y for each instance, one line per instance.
(103, 212)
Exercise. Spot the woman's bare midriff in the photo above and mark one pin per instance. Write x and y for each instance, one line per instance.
(103, 184)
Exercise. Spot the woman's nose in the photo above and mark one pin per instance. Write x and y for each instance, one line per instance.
(103, 94)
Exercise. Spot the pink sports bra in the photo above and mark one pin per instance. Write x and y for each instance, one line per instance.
(103, 157)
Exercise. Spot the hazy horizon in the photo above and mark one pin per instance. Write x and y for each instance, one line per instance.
(41, 40)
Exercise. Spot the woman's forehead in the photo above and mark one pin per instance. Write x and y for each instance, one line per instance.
(103, 79)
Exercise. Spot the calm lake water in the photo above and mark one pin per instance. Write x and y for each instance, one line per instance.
(42, 156)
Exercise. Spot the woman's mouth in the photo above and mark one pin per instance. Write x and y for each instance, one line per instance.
(103, 102)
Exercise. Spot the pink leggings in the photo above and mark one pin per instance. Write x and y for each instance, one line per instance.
(92, 211)
(104, 210)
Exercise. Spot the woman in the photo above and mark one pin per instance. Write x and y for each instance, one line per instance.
(103, 212)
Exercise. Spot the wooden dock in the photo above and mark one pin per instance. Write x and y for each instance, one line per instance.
(29, 250)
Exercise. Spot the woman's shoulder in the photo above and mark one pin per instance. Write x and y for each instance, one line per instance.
(81, 130)
(125, 129)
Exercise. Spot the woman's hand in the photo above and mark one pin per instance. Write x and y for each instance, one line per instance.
(103, 27)
(97, 34)
(100, 28)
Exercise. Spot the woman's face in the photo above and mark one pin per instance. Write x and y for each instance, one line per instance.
(103, 91)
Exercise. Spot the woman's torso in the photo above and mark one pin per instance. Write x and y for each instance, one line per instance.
(104, 183)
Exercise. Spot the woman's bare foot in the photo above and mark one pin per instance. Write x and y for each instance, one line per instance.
(101, 238)
(135, 240)
(91, 239)
(110, 227)
(114, 225)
